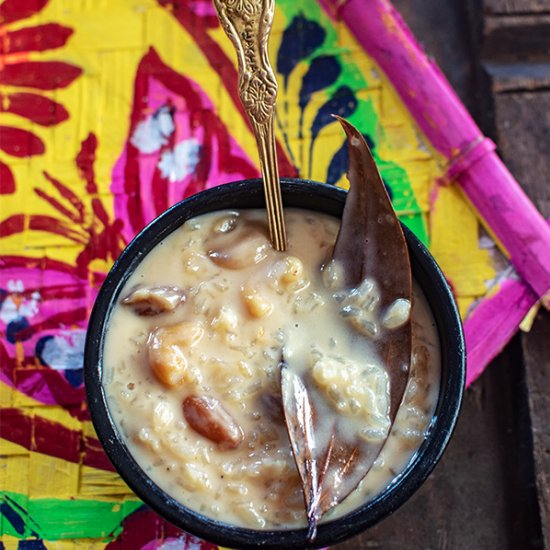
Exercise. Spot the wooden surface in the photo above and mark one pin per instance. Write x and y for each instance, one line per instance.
(536, 346)
(517, 6)
(523, 133)
(516, 37)
(522, 129)
(492, 488)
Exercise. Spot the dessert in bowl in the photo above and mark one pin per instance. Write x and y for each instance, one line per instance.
(199, 434)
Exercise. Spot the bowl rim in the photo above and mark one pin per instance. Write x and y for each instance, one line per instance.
(332, 531)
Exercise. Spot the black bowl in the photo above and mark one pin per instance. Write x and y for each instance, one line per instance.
(312, 196)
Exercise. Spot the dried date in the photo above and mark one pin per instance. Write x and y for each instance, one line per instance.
(207, 417)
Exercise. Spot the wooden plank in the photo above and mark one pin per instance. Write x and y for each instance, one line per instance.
(536, 351)
(516, 6)
(516, 37)
(527, 115)
(523, 133)
(518, 77)
(523, 127)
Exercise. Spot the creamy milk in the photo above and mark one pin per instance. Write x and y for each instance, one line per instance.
(233, 306)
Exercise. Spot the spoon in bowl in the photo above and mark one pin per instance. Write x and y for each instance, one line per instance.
(248, 23)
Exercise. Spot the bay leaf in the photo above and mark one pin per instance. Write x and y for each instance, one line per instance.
(370, 244)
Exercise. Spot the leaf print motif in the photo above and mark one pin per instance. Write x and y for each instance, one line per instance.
(15, 10)
(18, 71)
(342, 103)
(322, 73)
(39, 109)
(300, 39)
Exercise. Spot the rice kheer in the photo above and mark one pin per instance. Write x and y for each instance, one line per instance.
(192, 354)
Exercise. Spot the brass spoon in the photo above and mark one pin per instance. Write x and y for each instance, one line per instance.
(247, 23)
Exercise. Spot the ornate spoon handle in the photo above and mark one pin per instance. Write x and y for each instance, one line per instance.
(248, 23)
